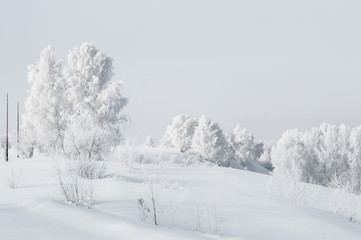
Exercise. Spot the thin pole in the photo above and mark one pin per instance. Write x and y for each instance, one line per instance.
(7, 128)
(18, 128)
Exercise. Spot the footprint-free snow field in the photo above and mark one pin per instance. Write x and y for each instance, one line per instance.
(197, 201)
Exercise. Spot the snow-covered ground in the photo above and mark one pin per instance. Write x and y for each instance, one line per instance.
(197, 201)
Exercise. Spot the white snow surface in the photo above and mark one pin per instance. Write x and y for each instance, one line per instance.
(237, 200)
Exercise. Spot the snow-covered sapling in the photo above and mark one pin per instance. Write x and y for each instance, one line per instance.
(153, 198)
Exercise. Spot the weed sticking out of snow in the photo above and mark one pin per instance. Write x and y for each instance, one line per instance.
(175, 204)
(163, 201)
(166, 204)
(143, 210)
(208, 217)
(11, 174)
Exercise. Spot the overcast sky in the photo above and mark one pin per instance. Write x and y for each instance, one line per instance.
(266, 65)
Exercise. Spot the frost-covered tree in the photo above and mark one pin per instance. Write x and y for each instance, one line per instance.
(43, 122)
(245, 147)
(290, 151)
(179, 133)
(210, 141)
(166, 141)
(95, 104)
(321, 153)
(334, 145)
(292, 167)
(265, 159)
(354, 158)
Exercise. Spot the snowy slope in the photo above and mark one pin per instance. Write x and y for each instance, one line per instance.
(189, 198)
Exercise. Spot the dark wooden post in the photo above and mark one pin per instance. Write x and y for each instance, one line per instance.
(7, 128)
(18, 130)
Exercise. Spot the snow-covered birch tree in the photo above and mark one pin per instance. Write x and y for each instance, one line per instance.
(95, 104)
(43, 123)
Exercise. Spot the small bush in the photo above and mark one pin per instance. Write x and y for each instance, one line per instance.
(288, 186)
(127, 155)
(74, 189)
(343, 200)
(12, 174)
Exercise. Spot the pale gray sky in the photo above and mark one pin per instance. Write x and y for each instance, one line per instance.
(267, 65)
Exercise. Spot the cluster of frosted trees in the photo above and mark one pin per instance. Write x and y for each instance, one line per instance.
(321, 154)
(207, 138)
(75, 111)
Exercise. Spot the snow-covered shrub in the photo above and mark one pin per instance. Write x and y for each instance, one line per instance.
(27, 144)
(344, 202)
(74, 189)
(90, 169)
(210, 142)
(288, 185)
(192, 159)
(179, 134)
(149, 142)
(157, 159)
(185, 159)
(11, 173)
(127, 154)
(95, 103)
(43, 123)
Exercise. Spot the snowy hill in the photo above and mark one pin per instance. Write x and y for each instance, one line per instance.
(197, 201)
